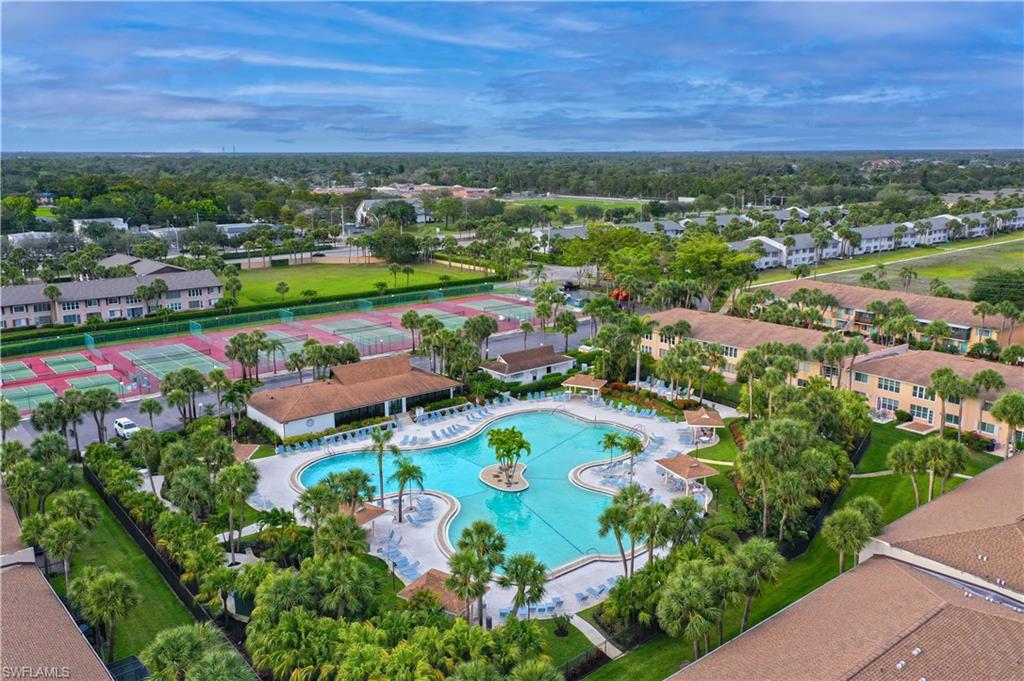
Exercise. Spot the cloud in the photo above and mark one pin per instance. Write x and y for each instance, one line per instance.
(490, 37)
(882, 95)
(400, 93)
(227, 54)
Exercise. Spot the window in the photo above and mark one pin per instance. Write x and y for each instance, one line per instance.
(174, 306)
(887, 404)
(72, 319)
(922, 393)
(113, 301)
(92, 303)
(114, 314)
(988, 428)
(952, 399)
(985, 333)
(730, 351)
(17, 308)
(172, 295)
(70, 305)
(919, 412)
(547, 370)
(860, 377)
(829, 371)
(889, 385)
(986, 405)
(195, 304)
(952, 419)
(41, 307)
(132, 299)
(194, 292)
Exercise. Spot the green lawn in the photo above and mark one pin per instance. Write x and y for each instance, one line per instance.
(109, 546)
(563, 648)
(883, 436)
(258, 286)
(957, 269)
(44, 212)
(872, 259)
(263, 452)
(572, 203)
(725, 449)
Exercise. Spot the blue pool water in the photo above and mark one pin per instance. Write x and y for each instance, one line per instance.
(554, 518)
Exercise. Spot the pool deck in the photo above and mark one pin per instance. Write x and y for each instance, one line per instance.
(428, 543)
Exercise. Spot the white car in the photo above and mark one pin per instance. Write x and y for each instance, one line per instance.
(125, 428)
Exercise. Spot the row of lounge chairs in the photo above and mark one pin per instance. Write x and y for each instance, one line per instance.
(435, 435)
(464, 408)
(409, 570)
(539, 609)
(596, 592)
(335, 440)
(625, 408)
(421, 510)
(559, 396)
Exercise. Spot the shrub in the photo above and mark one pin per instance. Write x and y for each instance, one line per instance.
(344, 428)
(441, 404)
(561, 625)
(903, 416)
(549, 382)
(254, 432)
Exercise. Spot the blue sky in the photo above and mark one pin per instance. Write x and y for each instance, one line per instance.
(511, 77)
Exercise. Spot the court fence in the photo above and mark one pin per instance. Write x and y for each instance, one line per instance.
(77, 339)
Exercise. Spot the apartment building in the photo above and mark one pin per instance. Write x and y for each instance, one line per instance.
(901, 380)
(106, 299)
(852, 313)
(737, 335)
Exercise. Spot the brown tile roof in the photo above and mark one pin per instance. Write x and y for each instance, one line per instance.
(364, 513)
(584, 381)
(352, 386)
(863, 623)
(433, 580)
(687, 467)
(983, 516)
(738, 332)
(10, 530)
(524, 360)
(916, 366)
(704, 418)
(37, 632)
(924, 307)
(243, 452)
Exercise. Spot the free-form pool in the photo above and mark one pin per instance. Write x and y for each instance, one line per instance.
(554, 518)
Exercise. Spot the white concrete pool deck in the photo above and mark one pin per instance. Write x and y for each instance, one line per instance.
(427, 543)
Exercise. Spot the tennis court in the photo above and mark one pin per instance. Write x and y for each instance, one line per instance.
(502, 308)
(164, 359)
(97, 381)
(450, 320)
(365, 332)
(292, 342)
(15, 371)
(70, 363)
(26, 397)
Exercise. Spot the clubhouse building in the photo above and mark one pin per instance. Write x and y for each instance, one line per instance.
(386, 386)
(526, 366)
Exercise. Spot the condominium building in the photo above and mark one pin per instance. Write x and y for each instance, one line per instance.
(900, 380)
(107, 299)
(852, 313)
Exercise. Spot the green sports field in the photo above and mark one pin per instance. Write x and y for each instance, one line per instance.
(258, 286)
(572, 203)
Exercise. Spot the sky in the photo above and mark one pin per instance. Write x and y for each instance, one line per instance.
(325, 77)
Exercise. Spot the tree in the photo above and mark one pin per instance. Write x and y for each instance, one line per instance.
(105, 598)
(479, 329)
(410, 321)
(173, 652)
(487, 545)
(686, 608)
(468, 577)
(508, 445)
(1010, 410)
(846, 531)
(53, 293)
(527, 328)
(565, 324)
(148, 446)
(380, 444)
(316, 503)
(151, 407)
(903, 459)
(62, 537)
(638, 328)
(907, 275)
(218, 584)
(528, 576)
(99, 402)
(759, 564)
(9, 417)
(233, 486)
(282, 289)
(342, 534)
(406, 474)
(535, 669)
(633, 447)
(348, 584)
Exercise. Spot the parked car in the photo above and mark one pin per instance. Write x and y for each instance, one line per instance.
(125, 428)
(570, 286)
(319, 255)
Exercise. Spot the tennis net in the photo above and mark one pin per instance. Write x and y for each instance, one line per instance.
(153, 357)
(362, 328)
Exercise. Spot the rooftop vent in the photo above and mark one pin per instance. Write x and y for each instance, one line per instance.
(900, 665)
(915, 652)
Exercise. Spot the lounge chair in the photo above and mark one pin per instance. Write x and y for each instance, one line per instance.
(434, 435)
(581, 597)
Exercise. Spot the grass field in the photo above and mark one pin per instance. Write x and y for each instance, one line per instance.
(956, 269)
(724, 450)
(44, 212)
(919, 256)
(109, 547)
(258, 286)
(563, 648)
(572, 203)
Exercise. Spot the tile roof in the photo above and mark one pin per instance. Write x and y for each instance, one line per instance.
(433, 580)
(37, 632)
(351, 386)
(28, 294)
(983, 516)
(524, 360)
(916, 366)
(863, 623)
(924, 307)
(704, 418)
(687, 467)
(736, 331)
(584, 381)
(364, 512)
(142, 266)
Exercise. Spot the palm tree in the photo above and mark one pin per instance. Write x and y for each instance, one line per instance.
(907, 275)
(508, 445)
(234, 485)
(610, 442)
(846, 531)
(380, 444)
(637, 328)
(314, 504)
(218, 381)
(406, 474)
(296, 362)
(468, 578)
(151, 407)
(615, 519)
(282, 289)
(528, 576)
(349, 584)
(352, 486)
(105, 598)
(631, 498)
(62, 537)
(100, 402)
(932, 453)
(535, 669)
(395, 269)
(409, 271)
(985, 309)
(854, 346)
(148, 446)
(78, 505)
(9, 417)
(219, 583)
(52, 293)
(343, 535)
(565, 324)
(488, 545)
(1010, 410)
(759, 564)
(903, 459)
(411, 321)
(756, 465)
(172, 652)
(633, 446)
(527, 328)
(943, 385)
(272, 347)
(686, 609)
(652, 522)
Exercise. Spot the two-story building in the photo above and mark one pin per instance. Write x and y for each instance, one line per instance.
(526, 366)
(852, 312)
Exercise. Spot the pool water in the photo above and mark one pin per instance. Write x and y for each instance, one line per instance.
(554, 519)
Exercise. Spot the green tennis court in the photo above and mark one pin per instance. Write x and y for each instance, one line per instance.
(365, 331)
(97, 381)
(450, 321)
(292, 342)
(15, 371)
(164, 359)
(502, 308)
(70, 363)
(26, 397)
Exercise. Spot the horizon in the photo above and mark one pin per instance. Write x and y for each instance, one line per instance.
(681, 78)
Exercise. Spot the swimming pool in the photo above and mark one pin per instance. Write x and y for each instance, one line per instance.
(554, 518)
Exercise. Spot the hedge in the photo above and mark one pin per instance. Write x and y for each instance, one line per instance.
(355, 425)
(549, 382)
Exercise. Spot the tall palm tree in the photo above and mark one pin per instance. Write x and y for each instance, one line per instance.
(63, 537)
(615, 519)
(653, 523)
(527, 328)
(273, 346)
(53, 293)
(9, 417)
(846, 531)
(105, 598)
(406, 475)
(932, 453)
(151, 407)
(315, 504)
(148, 446)
(172, 652)
(631, 497)
(686, 609)
(100, 402)
(380, 444)
(528, 576)
(468, 577)
(943, 385)
(760, 564)
(349, 584)
(610, 442)
(234, 485)
(637, 328)
(903, 459)
(633, 446)
(343, 535)
(352, 486)
(484, 541)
